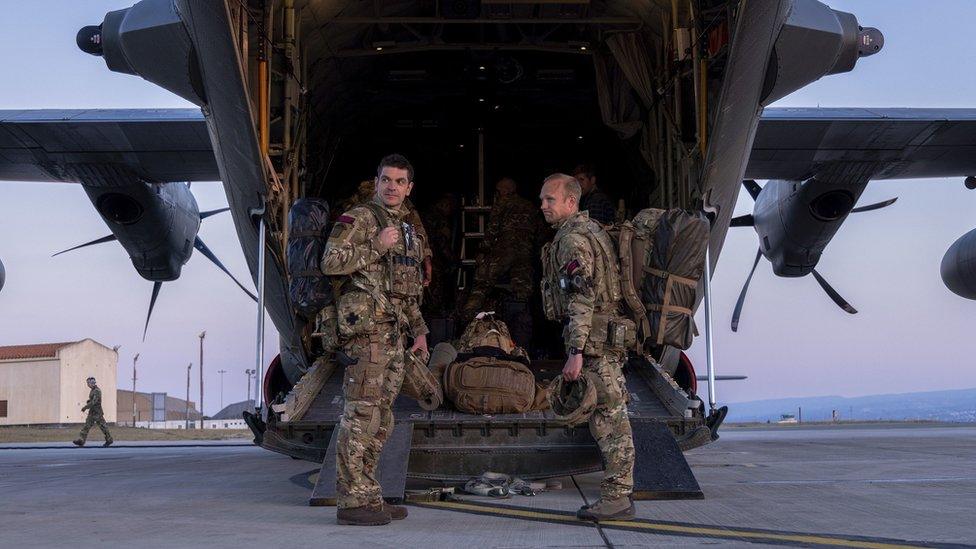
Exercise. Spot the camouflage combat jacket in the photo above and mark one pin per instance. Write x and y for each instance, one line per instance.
(375, 287)
(510, 221)
(94, 404)
(581, 287)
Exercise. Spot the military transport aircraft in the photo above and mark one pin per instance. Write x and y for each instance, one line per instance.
(299, 98)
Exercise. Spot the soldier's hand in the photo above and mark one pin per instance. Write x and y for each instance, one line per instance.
(386, 238)
(573, 367)
(420, 344)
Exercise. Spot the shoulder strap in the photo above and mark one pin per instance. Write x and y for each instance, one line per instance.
(378, 212)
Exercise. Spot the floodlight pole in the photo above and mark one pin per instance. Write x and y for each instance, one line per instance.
(249, 373)
(186, 413)
(134, 360)
(709, 356)
(202, 335)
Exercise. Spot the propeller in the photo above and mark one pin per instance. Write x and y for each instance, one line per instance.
(742, 295)
(876, 206)
(749, 221)
(152, 303)
(101, 240)
(840, 301)
(197, 244)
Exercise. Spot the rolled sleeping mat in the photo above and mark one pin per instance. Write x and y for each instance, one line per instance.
(420, 384)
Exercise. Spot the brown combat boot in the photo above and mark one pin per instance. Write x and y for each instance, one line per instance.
(397, 512)
(108, 442)
(618, 509)
(78, 442)
(363, 516)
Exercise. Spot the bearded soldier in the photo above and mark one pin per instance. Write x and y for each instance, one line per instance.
(377, 259)
(581, 288)
(95, 415)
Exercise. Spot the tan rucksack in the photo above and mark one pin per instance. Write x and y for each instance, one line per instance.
(490, 385)
(487, 331)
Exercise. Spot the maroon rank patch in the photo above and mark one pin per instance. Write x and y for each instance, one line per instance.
(347, 219)
(572, 266)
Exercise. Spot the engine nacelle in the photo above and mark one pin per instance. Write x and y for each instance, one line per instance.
(150, 40)
(959, 266)
(157, 224)
(796, 220)
(815, 41)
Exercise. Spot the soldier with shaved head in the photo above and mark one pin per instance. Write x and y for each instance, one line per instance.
(581, 289)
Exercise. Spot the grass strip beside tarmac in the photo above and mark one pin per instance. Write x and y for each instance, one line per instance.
(67, 434)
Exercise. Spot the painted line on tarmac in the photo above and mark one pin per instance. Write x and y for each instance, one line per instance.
(94, 446)
(682, 528)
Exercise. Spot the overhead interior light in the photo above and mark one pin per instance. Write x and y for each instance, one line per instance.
(481, 68)
(481, 100)
(498, 107)
(380, 46)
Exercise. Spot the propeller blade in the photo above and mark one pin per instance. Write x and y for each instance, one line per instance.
(204, 215)
(101, 240)
(843, 304)
(198, 244)
(753, 188)
(742, 295)
(877, 206)
(743, 221)
(152, 303)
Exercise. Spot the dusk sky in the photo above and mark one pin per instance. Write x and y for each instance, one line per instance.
(911, 333)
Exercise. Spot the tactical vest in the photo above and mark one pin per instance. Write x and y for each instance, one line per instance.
(404, 261)
(556, 281)
(609, 329)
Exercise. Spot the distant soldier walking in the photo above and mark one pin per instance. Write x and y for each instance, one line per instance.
(375, 254)
(95, 415)
(581, 288)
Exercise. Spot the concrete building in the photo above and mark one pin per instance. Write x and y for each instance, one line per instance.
(45, 383)
(158, 407)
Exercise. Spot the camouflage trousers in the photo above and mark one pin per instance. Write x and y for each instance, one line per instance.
(515, 262)
(93, 420)
(610, 426)
(370, 386)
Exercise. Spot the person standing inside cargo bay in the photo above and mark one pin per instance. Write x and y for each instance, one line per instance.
(581, 288)
(377, 259)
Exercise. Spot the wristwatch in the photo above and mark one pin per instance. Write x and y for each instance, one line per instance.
(575, 351)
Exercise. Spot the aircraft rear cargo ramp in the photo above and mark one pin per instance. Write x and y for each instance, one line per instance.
(446, 445)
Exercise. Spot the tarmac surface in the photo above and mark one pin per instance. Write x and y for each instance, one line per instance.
(862, 487)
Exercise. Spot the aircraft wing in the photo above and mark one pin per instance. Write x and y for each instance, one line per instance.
(800, 143)
(157, 145)
(791, 143)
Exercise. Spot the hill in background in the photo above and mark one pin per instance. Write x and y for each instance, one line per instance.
(955, 405)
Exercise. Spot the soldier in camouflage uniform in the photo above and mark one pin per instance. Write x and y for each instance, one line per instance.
(365, 193)
(376, 258)
(507, 250)
(581, 288)
(95, 415)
